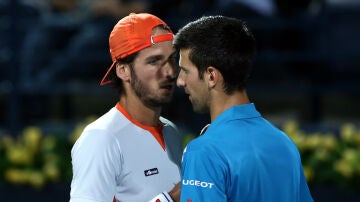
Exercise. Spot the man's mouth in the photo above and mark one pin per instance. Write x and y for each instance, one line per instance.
(167, 87)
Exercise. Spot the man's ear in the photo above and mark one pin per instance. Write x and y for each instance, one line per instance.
(123, 71)
(213, 76)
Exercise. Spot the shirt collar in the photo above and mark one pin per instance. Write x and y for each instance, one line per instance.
(243, 111)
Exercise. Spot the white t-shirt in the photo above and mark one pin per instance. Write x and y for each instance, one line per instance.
(117, 156)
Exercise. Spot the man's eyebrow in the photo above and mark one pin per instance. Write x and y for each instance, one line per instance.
(154, 57)
(160, 56)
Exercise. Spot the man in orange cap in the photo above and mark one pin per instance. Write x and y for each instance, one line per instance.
(131, 153)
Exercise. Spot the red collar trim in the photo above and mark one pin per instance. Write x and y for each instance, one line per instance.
(156, 131)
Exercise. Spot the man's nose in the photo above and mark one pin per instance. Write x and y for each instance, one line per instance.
(180, 81)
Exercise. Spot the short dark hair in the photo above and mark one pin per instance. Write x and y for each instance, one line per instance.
(222, 42)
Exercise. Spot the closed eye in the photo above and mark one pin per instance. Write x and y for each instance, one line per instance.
(183, 69)
(154, 60)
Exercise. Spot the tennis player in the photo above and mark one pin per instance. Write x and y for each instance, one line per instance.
(240, 156)
(131, 153)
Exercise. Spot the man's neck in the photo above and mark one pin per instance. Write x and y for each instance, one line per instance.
(140, 112)
(221, 102)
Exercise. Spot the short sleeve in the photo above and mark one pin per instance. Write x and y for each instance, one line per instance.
(204, 175)
(96, 163)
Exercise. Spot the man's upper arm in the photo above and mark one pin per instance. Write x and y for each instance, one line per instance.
(94, 159)
(203, 176)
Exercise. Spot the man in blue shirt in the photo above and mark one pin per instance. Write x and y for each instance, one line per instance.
(240, 156)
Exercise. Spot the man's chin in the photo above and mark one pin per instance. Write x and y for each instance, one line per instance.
(166, 101)
(200, 110)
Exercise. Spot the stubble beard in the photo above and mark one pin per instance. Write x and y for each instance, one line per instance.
(200, 106)
(146, 95)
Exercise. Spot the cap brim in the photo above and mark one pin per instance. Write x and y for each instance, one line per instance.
(105, 80)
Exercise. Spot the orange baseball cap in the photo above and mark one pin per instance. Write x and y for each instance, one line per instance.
(132, 34)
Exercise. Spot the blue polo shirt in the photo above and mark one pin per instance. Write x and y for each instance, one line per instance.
(243, 157)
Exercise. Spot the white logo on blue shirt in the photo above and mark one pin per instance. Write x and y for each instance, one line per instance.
(198, 183)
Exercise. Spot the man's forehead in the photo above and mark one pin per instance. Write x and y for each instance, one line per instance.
(184, 55)
(164, 49)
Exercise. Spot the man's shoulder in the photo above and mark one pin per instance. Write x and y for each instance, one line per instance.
(103, 129)
(109, 123)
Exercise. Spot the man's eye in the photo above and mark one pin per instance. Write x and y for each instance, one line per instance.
(183, 70)
(152, 62)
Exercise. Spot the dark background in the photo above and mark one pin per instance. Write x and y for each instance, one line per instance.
(307, 65)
